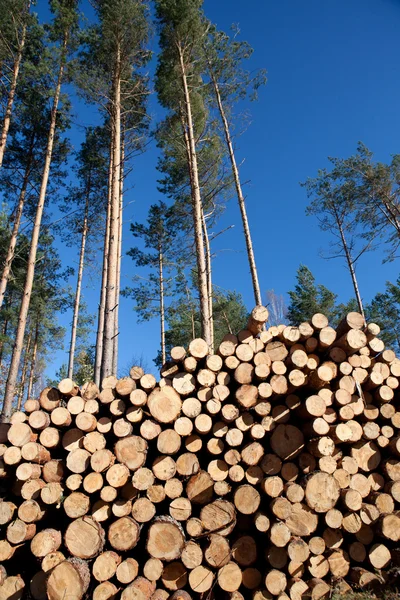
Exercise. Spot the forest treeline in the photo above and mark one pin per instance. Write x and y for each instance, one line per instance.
(201, 81)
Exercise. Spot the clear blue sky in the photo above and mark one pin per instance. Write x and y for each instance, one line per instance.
(333, 79)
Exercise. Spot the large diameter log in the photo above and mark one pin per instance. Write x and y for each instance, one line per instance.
(164, 404)
(322, 492)
(84, 538)
(165, 539)
(131, 451)
(69, 579)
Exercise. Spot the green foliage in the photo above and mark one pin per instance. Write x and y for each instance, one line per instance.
(384, 310)
(159, 239)
(309, 298)
(116, 47)
(372, 191)
(225, 56)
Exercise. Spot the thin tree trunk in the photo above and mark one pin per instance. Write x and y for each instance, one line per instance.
(102, 303)
(350, 264)
(78, 286)
(209, 277)
(109, 316)
(17, 221)
(118, 288)
(239, 192)
(13, 87)
(196, 210)
(162, 309)
(24, 370)
(26, 298)
(33, 360)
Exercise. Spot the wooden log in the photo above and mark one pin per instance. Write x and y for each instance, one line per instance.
(69, 578)
(165, 539)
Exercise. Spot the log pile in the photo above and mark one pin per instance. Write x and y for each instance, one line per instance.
(269, 469)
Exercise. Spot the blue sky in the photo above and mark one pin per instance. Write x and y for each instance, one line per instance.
(333, 79)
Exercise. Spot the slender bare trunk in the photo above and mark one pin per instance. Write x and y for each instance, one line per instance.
(111, 300)
(209, 277)
(196, 209)
(162, 309)
(239, 193)
(30, 272)
(78, 286)
(24, 370)
(33, 360)
(118, 287)
(350, 263)
(13, 239)
(13, 87)
(102, 303)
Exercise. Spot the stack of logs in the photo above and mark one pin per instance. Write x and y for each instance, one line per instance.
(268, 469)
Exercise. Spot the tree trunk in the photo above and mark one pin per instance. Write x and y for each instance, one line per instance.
(239, 192)
(111, 288)
(350, 263)
(23, 314)
(196, 210)
(24, 370)
(78, 287)
(102, 303)
(13, 87)
(5, 325)
(209, 278)
(118, 288)
(33, 361)
(162, 309)
(17, 221)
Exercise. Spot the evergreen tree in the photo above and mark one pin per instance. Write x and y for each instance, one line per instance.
(230, 83)
(178, 79)
(150, 293)
(384, 309)
(22, 170)
(335, 206)
(309, 298)
(114, 51)
(89, 197)
(61, 33)
(15, 23)
(374, 190)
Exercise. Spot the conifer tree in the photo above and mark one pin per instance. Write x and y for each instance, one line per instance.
(15, 21)
(230, 83)
(61, 33)
(178, 77)
(89, 197)
(159, 239)
(309, 298)
(113, 54)
(22, 169)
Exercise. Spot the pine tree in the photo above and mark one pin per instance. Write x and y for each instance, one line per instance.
(113, 54)
(335, 206)
(230, 83)
(84, 224)
(15, 22)
(384, 309)
(160, 258)
(182, 31)
(375, 193)
(22, 169)
(62, 30)
(309, 298)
